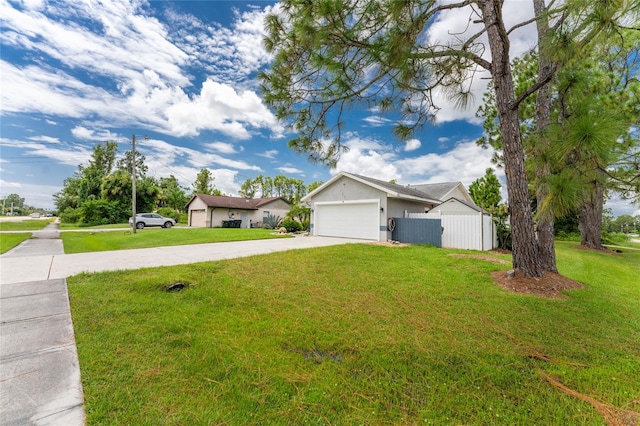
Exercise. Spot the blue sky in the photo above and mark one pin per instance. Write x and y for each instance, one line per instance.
(183, 73)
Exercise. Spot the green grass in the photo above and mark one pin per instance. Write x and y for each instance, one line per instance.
(25, 225)
(9, 241)
(81, 226)
(356, 334)
(81, 242)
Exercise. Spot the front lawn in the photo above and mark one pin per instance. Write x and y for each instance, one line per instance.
(65, 226)
(25, 225)
(81, 242)
(358, 334)
(9, 241)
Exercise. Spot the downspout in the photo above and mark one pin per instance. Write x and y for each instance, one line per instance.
(481, 231)
(211, 218)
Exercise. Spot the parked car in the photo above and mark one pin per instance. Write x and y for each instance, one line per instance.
(152, 219)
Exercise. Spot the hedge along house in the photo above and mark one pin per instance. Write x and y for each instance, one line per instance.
(354, 206)
(209, 211)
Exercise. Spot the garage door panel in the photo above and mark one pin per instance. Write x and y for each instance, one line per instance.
(348, 220)
(198, 218)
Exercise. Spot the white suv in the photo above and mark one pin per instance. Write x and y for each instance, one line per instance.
(152, 219)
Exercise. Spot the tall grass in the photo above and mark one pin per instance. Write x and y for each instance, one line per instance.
(356, 334)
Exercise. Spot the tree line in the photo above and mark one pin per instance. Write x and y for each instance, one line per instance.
(101, 191)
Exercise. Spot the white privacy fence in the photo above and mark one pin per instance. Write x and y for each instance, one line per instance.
(475, 231)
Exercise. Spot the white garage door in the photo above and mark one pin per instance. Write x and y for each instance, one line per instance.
(359, 219)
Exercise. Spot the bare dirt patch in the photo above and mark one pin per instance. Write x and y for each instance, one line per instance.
(389, 243)
(482, 257)
(551, 285)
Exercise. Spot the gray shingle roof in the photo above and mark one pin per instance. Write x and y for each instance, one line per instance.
(436, 190)
(433, 191)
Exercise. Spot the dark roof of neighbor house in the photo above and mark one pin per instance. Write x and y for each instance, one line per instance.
(221, 201)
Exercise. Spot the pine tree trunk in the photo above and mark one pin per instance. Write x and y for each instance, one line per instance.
(526, 255)
(590, 219)
(543, 121)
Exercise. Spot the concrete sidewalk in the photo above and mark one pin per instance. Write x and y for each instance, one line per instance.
(39, 370)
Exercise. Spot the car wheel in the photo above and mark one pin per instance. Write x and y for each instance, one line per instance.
(168, 224)
(140, 225)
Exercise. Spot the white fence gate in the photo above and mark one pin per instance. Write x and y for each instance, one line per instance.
(475, 231)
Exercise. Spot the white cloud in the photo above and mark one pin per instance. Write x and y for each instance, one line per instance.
(412, 145)
(148, 88)
(63, 153)
(101, 135)
(231, 54)
(223, 147)
(164, 155)
(454, 25)
(219, 107)
(465, 163)
(45, 139)
(621, 207)
(376, 120)
(367, 157)
(291, 170)
(269, 154)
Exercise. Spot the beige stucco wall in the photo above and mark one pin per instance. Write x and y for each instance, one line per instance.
(277, 207)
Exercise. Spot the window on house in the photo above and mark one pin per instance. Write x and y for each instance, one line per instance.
(265, 214)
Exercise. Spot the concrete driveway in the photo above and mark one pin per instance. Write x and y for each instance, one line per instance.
(32, 263)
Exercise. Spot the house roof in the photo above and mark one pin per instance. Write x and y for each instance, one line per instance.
(220, 201)
(436, 190)
(392, 189)
(471, 206)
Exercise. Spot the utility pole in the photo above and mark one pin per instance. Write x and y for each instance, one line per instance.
(133, 180)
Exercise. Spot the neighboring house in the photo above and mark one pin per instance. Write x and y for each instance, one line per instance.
(355, 206)
(208, 211)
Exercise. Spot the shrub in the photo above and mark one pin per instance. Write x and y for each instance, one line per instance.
(101, 212)
(292, 225)
(271, 222)
(306, 225)
(183, 218)
(169, 212)
(70, 215)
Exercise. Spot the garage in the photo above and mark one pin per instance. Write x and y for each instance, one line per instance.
(198, 218)
(349, 219)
